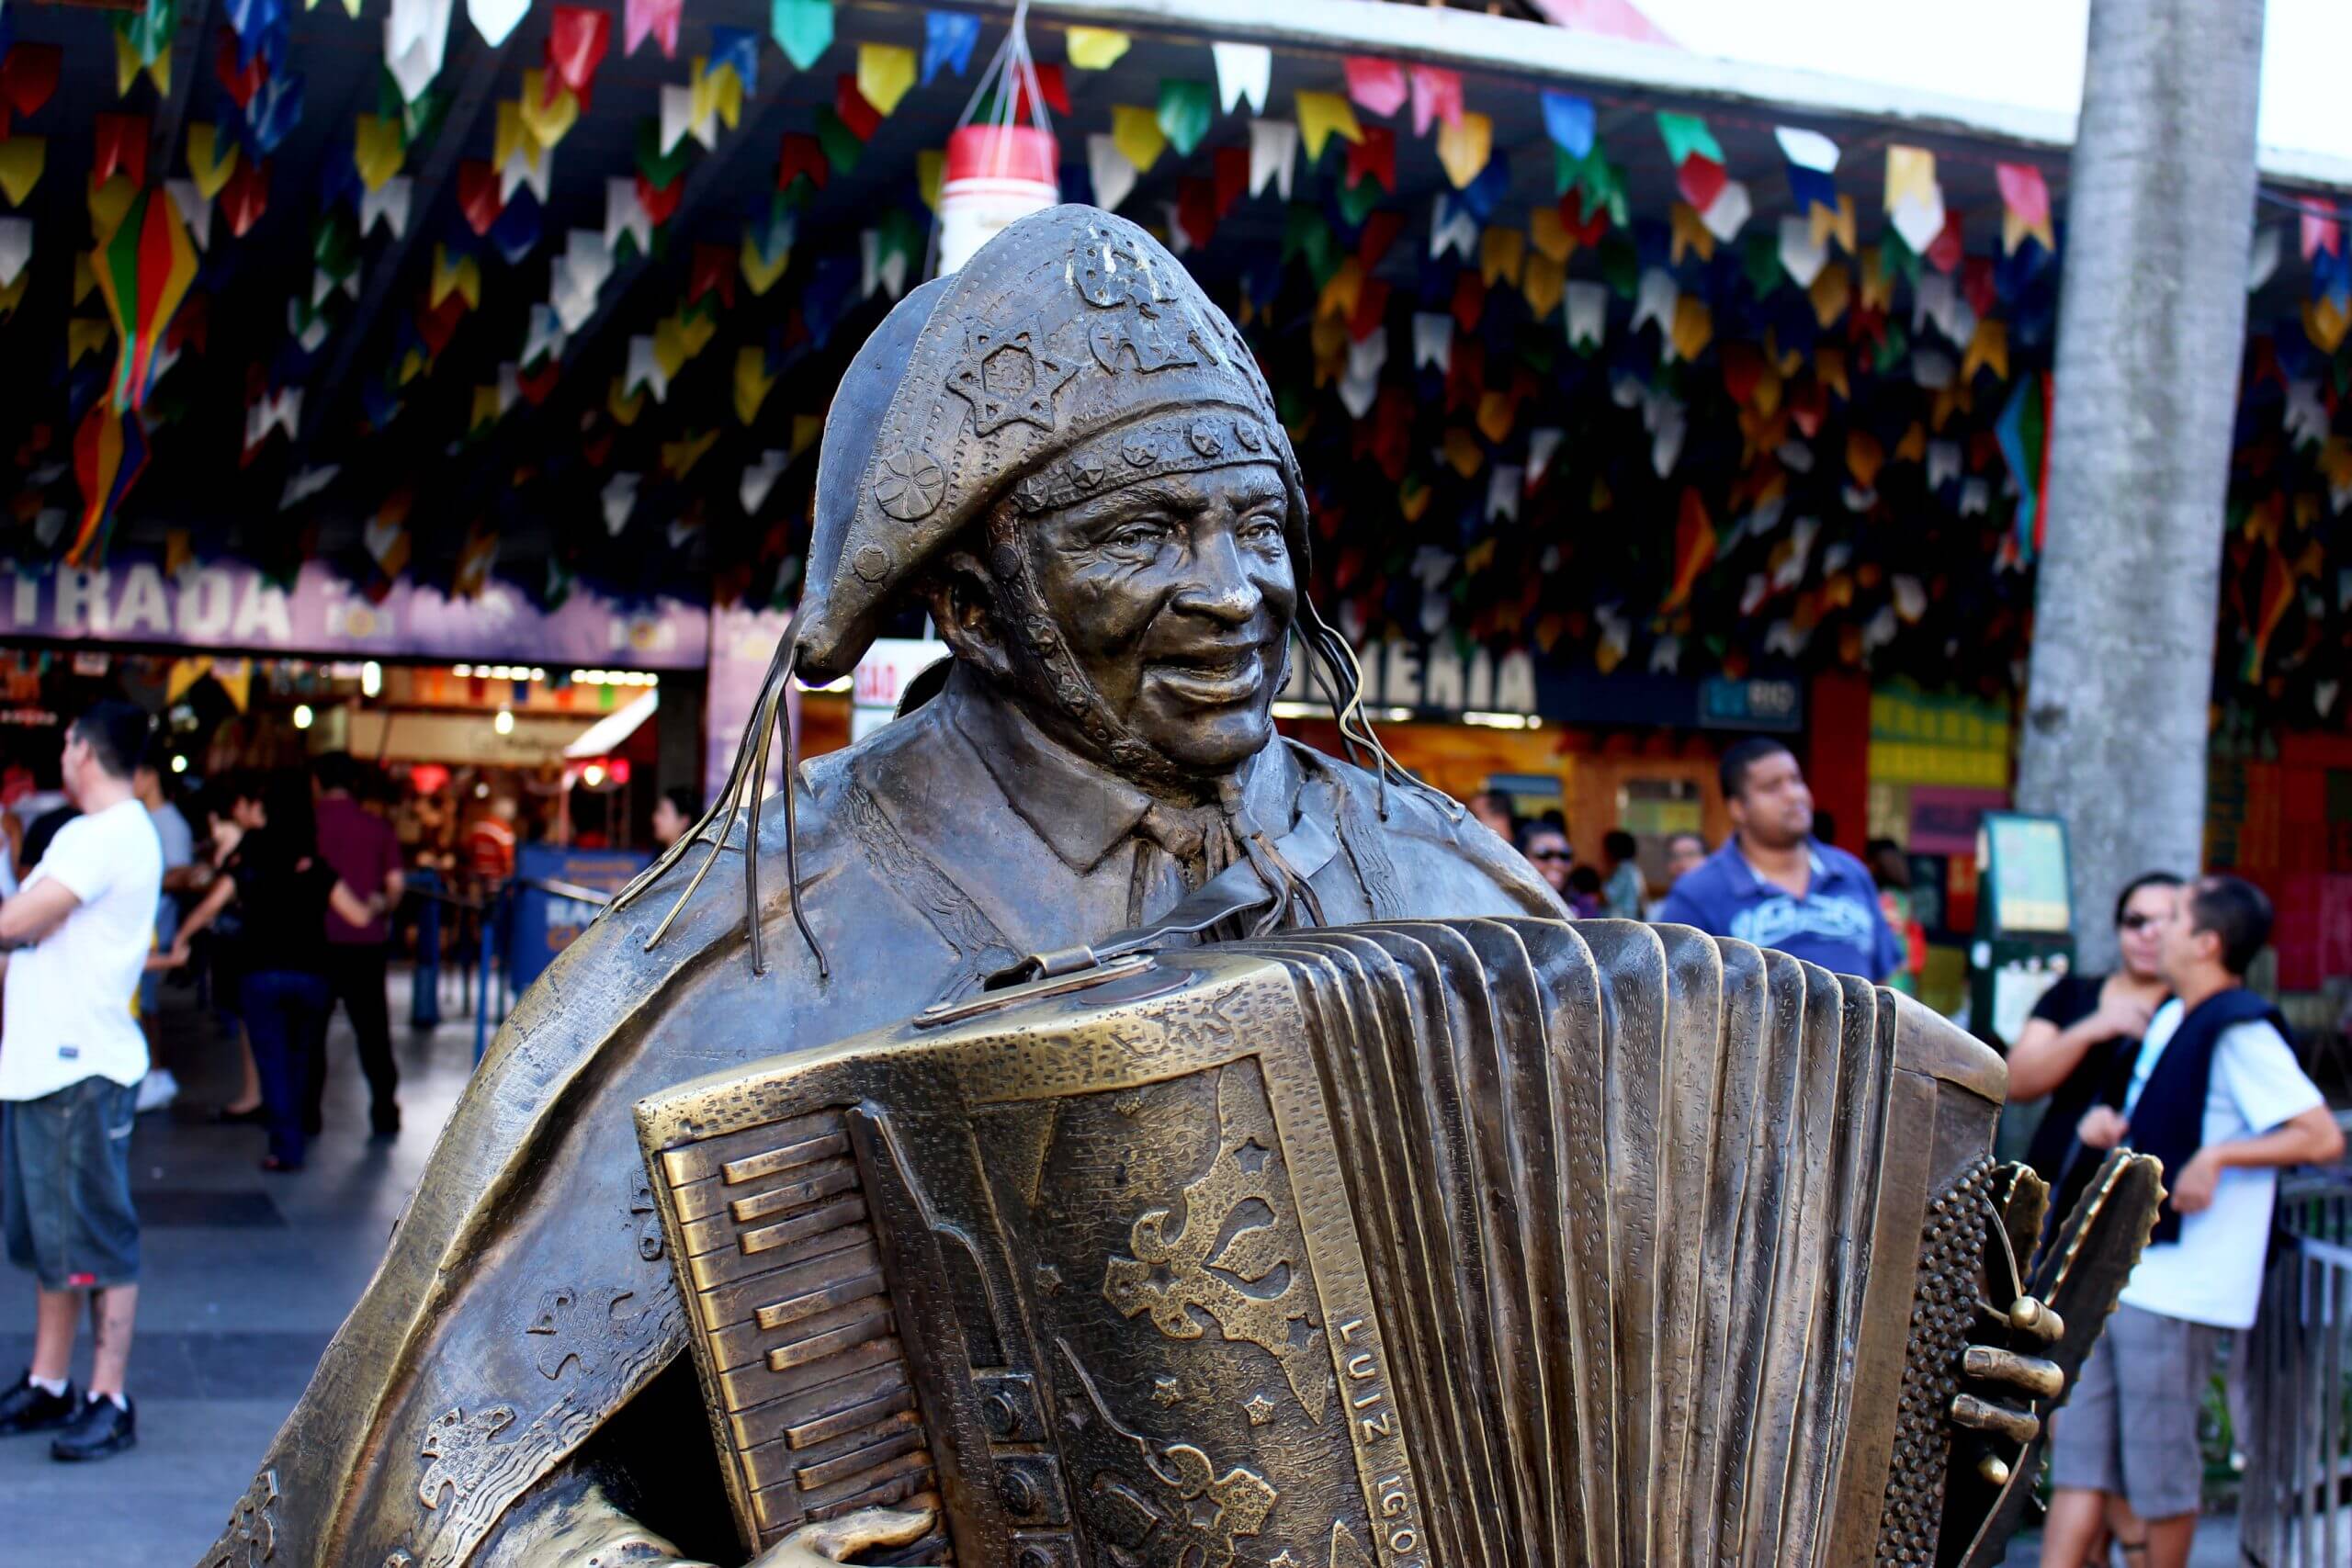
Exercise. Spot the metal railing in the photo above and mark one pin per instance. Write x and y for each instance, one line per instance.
(483, 974)
(2295, 1508)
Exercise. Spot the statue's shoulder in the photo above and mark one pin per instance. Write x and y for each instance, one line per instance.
(1422, 852)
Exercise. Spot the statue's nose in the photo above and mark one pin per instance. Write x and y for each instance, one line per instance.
(1221, 587)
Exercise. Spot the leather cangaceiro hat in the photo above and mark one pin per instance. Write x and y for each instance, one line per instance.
(1071, 356)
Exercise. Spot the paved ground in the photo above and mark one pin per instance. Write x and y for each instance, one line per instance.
(247, 1277)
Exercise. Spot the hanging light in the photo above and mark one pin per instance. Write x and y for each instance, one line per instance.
(592, 775)
(302, 716)
(179, 763)
(371, 678)
(505, 722)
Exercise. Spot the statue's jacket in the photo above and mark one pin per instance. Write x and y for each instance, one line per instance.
(524, 1300)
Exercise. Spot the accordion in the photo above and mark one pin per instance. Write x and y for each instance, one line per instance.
(1473, 1243)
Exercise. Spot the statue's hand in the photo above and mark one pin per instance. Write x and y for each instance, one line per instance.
(836, 1540)
(1993, 1377)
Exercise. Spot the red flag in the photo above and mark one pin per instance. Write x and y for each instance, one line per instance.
(1232, 165)
(242, 85)
(28, 75)
(1694, 548)
(477, 195)
(800, 155)
(862, 118)
(578, 37)
(246, 196)
(122, 147)
(1374, 157)
(714, 269)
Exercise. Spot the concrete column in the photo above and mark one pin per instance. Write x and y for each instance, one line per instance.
(2151, 327)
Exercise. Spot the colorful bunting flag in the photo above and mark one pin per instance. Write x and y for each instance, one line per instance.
(1185, 110)
(1375, 85)
(1096, 49)
(885, 73)
(1244, 71)
(802, 28)
(947, 41)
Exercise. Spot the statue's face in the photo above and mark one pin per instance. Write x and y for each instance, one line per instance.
(1174, 596)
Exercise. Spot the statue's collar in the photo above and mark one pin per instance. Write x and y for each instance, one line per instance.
(1081, 809)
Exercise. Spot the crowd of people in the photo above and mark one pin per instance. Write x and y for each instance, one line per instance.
(2170, 1054)
(287, 888)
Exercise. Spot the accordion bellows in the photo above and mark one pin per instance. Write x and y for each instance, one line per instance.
(1479, 1243)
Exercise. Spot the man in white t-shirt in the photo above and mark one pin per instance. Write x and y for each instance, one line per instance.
(71, 1059)
(159, 1087)
(2216, 1094)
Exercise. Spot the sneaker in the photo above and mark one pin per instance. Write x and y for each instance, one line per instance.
(100, 1428)
(384, 1119)
(157, 1089)
(28, 1407)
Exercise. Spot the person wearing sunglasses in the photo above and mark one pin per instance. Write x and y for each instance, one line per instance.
(1547, 849)
(2085, 1025)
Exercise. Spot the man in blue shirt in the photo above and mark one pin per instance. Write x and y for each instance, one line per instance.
(1776, 886)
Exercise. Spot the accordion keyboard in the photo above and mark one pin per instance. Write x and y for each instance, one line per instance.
(787, 1290)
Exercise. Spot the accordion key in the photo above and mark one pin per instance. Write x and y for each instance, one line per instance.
(1477, 1243)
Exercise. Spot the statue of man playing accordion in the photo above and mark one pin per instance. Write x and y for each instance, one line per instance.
(1067, 456)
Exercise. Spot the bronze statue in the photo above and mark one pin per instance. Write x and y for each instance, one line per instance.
(1067, 453)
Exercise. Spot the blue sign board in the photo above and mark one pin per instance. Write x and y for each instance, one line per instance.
(545, 922)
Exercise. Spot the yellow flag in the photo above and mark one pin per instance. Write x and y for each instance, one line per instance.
(931, 172)
(2323, 324)
(752, 383)
(86, 274)
(1544, 284)
(1495, 412)
(1413, 503)
(1550, 233)
(885, 71)
(485, 408)
(1096, 49)
(184, 672)
(762, 274)
(1877, 278)
(1339, 296)
(1829, 365)
(1988, 348)
(681, 456)
(377, 152)
(462, 275)
(237, 679)
(1319, 115)
(1910, 170)
(1463, 451)
(546, 121)
(1502, 255)
(1464, 146)
(109, 201)
(21, 160)
(85, 335)
(211, 159)
(1913, 447)
(720, 93)
(1690, 233)
(806, 429)
(1831, 293)
(510, 134)
(1694, 326)
(1136, 132)
(623, 407)
(1838, 225)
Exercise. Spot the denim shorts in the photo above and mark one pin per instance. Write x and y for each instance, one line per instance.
(65, 1168)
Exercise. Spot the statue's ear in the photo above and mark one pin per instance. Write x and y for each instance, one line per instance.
(965, 600)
